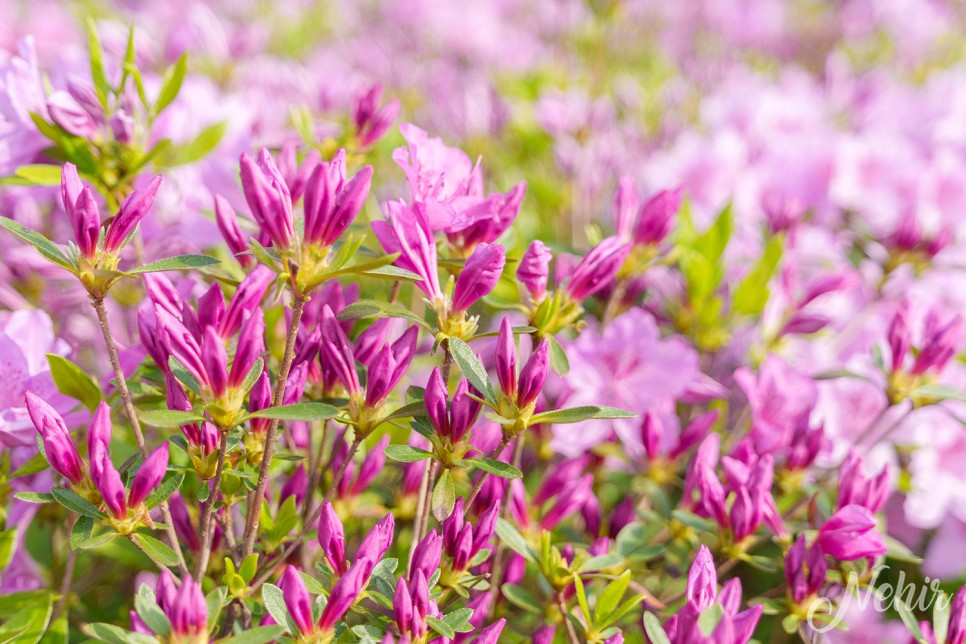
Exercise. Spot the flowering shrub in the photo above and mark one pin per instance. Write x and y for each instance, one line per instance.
(673, 357)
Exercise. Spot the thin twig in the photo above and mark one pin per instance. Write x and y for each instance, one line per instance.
(479, 484)
(254, 508)
(132, 416)
(206, 525)
(68, 578)
(571, 631)
(498, 557)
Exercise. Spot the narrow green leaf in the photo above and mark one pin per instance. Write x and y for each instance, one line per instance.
(513, 540)
(101, 85)
(70, 500)
(200, 146)
(708, 620)
(909, 619)
(300, 411)
(471, 367)
(176, 263)
(253, 375)
(444, 496)
(611, 597)
(392, 273)
(42, 245)
(275, 605)
(170, 418)
(164, 491)
(409, 410)
(183, 375)
(581, 593)
(38, 174)
(655, 632)
(578, 414)
(157, 551)
(407, 453)
(376, 309)
(496, 468)
(521, 598)
(73, 381)
(257, 635)
(558, 357)
(34, 497)
(171, 84)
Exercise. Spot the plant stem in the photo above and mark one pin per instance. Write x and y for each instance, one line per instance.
(98, 304)
(496, 571)
(479, 484)
(206, 523)
(254, 508)
(421, 519)
(290, 548)
(571, 632)
(68, 569)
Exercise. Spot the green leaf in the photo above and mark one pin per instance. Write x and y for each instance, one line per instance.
(171, 84)
(40, 243)
(274, 602)
(253, 375)
(70, 500)
(215, 601)
(655, 632)
(8, 541)
(34, 497)
(581, 593)
(578, 414)
(708, 620)
(149, 612)
(558, 357)
(940, 616)
(257, 635)
(898, 551)
(471, 367)
(513, 540)
(116, 635)
(909, 619)
(458, 618)
(101, 85)
(376, 309)
(73, 381)
(440, 627)
(34, 464)
(176, 263)
(183, 375)
(751, 293)
(34, 174)
(81, 533)
(392, 273)
(611, 597)
(407, 453)
(521, 598)
(299, 411)
(157, 551)
(200, 146)
(496, 468)
(444, 496)
(409, 410)
(164, 491)
(170, 418)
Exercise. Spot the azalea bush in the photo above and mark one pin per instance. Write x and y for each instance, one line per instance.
(583, 322)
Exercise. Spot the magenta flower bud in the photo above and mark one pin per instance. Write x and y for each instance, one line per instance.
(855, 488)
(99, 435)
(533, 375)
(656, 218)
(68, 114)
(188, 611)
(108, 482)
(132, 211)
(370, 341)
(268, 198)
(295, 485)
(939, 347)
(804, 323)
(247, 299)
(296, 176)
(479, 276)
(506, 359)
(379, 377)
(370, 120)
(86, 219)
(435, 400)
(957, 618)
(166, 590)
(534, 269)
(251, 343)
(149, 476)
(463, 548)
(408, 233)
(626, 203)
(85, 95)
(463, 411)
(694, 432)
(70, 187)
(211, 308)
(332, 539)
(122, 126)
(491, 634)
(452, 525)
(899, 337)
(58, 444)
(181, 520)
(137, 625)
(821, 286)
(702, 585)
(344, 594)
(598, 268)
(348, 204)
(652, 431)
(227, 222)
(215, 360)
(259, 398)
(485, 525)
(375, 544)
(337, 352)
(420, 597)
(297, 600)
(850, 534)
(402, 606)
(427, 555)
(745, 514)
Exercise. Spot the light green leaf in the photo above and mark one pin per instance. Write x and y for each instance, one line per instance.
(73, 381)
(513, 540)
(171, 84)
(496, 468)
(164, 491)
(376, 309)
(157, 551)
(407, 453)
(440, 627)
(70, 500)
(40, 243)
(558, 357)
(300, 411)
(170, 418)
(199, 147)
(655, 632)
(611, 597)
(444, 496)
(176, 263)
(578, 414)
(257, 635)
(471, 367)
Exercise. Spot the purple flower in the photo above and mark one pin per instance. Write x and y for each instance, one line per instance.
(655, 220)
(215, 361)
(406, 231)
(268, 198)
(332, 539)
(70, 115)
(850, 534)
(149, 476)
(426, 556)
(370, 119)
(227, 222)
(957, 618)
(534, 269)
(375, 544)
(389, 366)
(296, 176)
(251, 343)
(479, 276)
(858, 489)
(804, 570)
(82, 209)
(337, 352)
(402, 606)
(58, 444)
(506, 359)
(132, 211)
(187, 611)
(344, 594)
(598, 268)
(533, 375)
(331, 202)
(297, 600)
